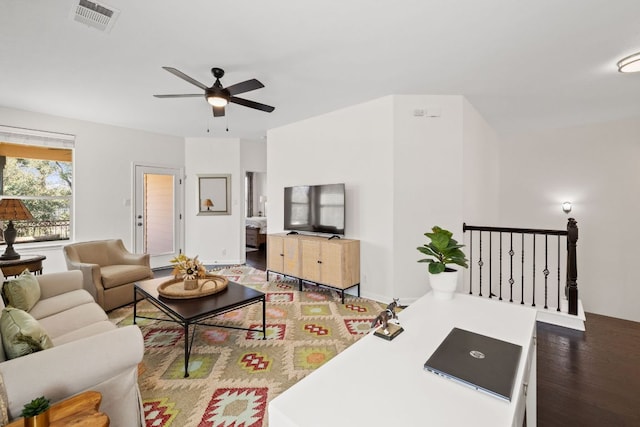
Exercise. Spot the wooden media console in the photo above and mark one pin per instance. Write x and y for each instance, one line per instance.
(334, 263)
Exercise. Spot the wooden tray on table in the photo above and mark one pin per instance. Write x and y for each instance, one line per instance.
(209, 285)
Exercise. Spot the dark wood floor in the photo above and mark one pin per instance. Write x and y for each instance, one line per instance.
(585, 379)
(589, 378)
(258, 259)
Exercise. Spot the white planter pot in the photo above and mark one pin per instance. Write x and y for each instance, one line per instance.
(444, 284)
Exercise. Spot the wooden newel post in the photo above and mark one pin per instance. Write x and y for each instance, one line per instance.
(571, 289)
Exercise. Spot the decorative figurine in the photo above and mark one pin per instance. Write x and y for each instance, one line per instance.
(388, 330)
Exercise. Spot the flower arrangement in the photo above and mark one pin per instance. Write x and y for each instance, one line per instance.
(188, 268)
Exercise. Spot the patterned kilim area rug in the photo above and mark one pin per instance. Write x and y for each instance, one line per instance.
(233, 374)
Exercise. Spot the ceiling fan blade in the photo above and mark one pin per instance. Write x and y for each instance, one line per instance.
(243, 87)
(183, 76)
(199, 95)
(251, 104)
(218, 111)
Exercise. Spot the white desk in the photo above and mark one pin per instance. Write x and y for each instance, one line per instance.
(382, 383)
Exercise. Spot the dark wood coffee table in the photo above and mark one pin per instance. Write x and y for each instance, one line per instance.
(195, 311)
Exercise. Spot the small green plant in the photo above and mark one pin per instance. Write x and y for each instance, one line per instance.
(443, 249)
(35, 407)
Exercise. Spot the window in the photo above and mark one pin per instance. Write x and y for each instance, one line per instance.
(40, 173)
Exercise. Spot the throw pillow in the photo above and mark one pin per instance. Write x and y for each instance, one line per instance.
(21, 333)
(22, 292)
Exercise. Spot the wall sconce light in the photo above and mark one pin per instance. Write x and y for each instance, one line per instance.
(566, 207)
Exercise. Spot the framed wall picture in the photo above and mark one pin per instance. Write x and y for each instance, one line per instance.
(214, 194)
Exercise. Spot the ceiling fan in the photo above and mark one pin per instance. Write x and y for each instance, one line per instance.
(219, 96)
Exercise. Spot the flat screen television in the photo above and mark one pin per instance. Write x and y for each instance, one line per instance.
(315, 208)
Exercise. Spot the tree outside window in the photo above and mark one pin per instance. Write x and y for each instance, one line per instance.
(45, 188)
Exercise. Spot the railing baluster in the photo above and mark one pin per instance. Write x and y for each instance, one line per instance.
(546, 269)
(471, 263)
(480, 263)
(522, 270)
(558, 309)
(491, 294)
(533, 293)
(511, 281)
(500, 266)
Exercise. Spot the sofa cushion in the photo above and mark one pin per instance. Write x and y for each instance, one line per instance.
(116, 275)
(54, 305)
(72, 319)
(22, 292)
(21, 333)
(84, 332)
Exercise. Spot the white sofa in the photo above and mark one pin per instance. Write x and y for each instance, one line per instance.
(89, 353)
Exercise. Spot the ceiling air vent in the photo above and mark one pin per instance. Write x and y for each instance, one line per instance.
(96, 15)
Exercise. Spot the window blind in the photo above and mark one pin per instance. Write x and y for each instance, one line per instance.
(36, 137)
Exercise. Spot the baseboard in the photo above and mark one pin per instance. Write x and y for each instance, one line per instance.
(560, 318)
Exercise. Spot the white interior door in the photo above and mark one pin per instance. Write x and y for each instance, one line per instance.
(158, 213)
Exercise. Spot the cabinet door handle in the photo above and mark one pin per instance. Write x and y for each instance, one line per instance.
(319, 262)
(281, 254)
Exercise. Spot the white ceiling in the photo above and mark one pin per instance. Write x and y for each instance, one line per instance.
(523, 64)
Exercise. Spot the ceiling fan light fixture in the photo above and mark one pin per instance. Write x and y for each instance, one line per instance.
(217, 101)
(630, 64)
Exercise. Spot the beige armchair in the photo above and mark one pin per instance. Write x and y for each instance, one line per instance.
(109, 270)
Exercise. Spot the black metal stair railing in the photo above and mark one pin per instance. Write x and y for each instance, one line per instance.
(520, 263)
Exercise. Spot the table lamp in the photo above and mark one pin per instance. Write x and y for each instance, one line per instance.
(208, 203)
(12, 210)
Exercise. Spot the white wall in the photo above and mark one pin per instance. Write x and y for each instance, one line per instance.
(427, 183)
(403, 174)
(216, 239)
(351, 146)
(596, 168)
(481, 169)
(445, 173)
(103, 160)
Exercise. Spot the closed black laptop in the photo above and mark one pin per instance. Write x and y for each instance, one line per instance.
(484, 363)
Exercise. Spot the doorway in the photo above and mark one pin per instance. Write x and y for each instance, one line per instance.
(255, 213)
(158, 213)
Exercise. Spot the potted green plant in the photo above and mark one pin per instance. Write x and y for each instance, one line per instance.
(443, 250)
(36, 412)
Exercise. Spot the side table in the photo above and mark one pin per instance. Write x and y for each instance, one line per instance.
(15, 267)
(79, 411)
